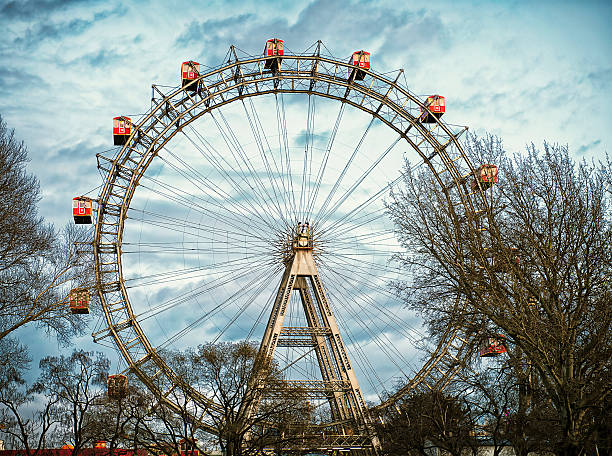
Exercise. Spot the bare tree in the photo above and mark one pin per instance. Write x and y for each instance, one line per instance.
(37, 264)
(260, 410)
(136, 420)
(533, 265)
(22, 427)
(511, 409)
(159, 429)
(252, 421)
(37, 267)
(77, 384)
(424, 420)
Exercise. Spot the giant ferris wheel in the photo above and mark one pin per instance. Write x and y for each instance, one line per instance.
(248, 203)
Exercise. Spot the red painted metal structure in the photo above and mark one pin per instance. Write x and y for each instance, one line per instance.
(188, 448)
(79, 301)
(492, 346)
(274, 48)
(486, 175)
(71, 452)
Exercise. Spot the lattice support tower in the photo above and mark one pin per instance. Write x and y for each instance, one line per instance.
(338, 382)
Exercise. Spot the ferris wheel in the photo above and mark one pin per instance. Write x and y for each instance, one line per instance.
(248, 203)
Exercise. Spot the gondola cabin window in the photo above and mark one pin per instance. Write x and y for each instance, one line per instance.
(436, 107)
(79, 300)
(274, 47)
(360, 60)
(116, 386)
(190, 71)
(122, 127)
(486, 175)
(492, 346)
(81, 210)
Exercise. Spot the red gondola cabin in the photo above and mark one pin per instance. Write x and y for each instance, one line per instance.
(492, 346)
(274, 48)
(81, 210)
(190, 71)
(116, 386)
(122, 126)
(188, 447)
(79, 300)
(486, 175)
(435, 109)
(360, 60)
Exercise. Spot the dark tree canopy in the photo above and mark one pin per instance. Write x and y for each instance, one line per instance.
(534, 266)
(426, 420)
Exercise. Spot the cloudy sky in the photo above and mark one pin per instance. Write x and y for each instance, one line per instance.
(523, 70)
(526, 71)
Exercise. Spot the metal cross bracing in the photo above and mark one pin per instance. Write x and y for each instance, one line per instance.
(173, 110)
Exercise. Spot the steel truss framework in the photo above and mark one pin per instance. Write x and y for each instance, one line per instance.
(381, 97)
(339, 384)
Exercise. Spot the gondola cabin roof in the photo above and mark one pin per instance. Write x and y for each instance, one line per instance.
(486, 175)
(435, 107)
(188, 447)
(436, 103)
(122, 127)
(122, 124)
(274, 46)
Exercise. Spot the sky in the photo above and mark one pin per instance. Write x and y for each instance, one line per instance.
(525, 71)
